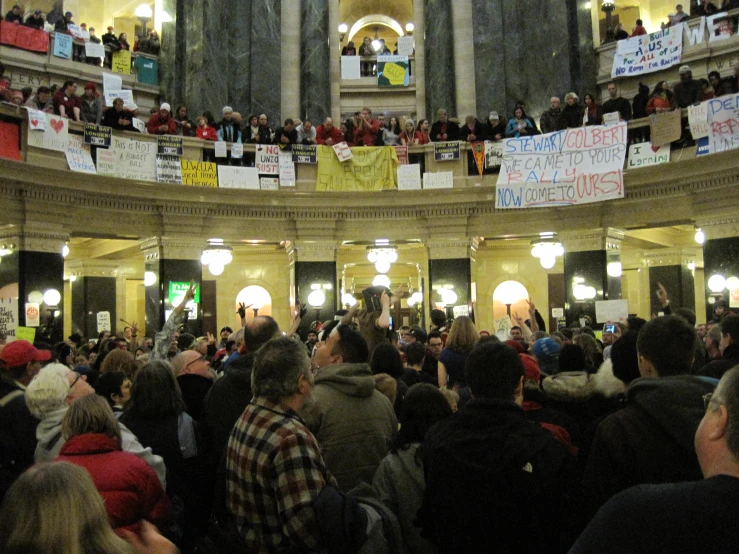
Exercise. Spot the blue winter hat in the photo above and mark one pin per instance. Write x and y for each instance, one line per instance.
(546, 348)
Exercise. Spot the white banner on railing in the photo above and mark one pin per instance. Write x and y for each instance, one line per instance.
(648, 53)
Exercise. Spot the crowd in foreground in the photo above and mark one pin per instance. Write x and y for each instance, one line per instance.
(366, 440)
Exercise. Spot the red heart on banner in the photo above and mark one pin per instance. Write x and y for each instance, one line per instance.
(34, 122)
(57, 125)
(655, 148)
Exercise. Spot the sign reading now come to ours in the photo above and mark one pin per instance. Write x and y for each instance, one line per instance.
(574, 166)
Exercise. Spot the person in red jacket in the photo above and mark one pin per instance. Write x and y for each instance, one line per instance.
(161, 123)
(130, 488)
(639, 29)
(205, 131)
(328, 134)
(367, 128)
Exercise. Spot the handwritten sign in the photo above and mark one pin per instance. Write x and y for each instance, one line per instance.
(78, 155)
(392, 71)
(343, 152)
(103, 320)
(105, 161)
(36, 120)
(446, 151)
(199, 174)
(268, 159)
(234, 177)
(63, 46)
(8, 318)
(723, 118)
(169, 169)
(54, 137)
(33, 315)
(94, 50)
(643, 154)
(698, 120)
(169, 145)
(125, 95)
(611, 118)
(97, 135)
(269, 183)
(237, 150)
(134, 159)
(409, 177)
(305, 153)
(440, 180)
(140, 126)
(405, 46)
(350, 69)
(25, 333)
(665, 127)
(121, 62)
(573, 166)
(402, 153)
(112, 82)
(221, 150)
(648, 53)
(287, 169)
(611, 310)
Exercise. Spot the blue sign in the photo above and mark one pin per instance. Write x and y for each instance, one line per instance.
(702, 147)
(63, 46)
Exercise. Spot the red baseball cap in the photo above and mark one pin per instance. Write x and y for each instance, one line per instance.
(22, 352)
(531, 367)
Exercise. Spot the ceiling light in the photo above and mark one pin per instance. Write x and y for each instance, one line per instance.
(348, 299)
(381, 281)
(382, 265)
(716, 283)
(216, 268)
(52, 297)
(547, 262)
(36, 297)
(316, 298)
(700, 236)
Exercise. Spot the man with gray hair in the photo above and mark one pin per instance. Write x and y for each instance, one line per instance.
(274, 468)
(550, 118)
(695, 516)
(49, 396)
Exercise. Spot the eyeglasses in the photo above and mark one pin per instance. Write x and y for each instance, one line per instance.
(200, 359)
(707, 400)
(75, 381)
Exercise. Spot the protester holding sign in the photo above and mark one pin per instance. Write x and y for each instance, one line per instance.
(117, 117)
(91, 105)
(62, 23)
(66, 103)
(616, 103)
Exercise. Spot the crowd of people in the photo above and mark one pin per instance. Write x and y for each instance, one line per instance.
(373, 439)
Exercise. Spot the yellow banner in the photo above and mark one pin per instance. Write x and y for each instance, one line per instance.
(199, 174)
(121, 62)
(369, 169)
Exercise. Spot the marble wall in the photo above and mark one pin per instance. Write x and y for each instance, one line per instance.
(315, 85)
(530, 51)
(439, 50)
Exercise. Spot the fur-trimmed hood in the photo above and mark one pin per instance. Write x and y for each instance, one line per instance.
(606, 383)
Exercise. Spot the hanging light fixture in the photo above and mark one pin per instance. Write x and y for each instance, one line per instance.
(348, 299)
(700, 236)
(717, 283)
(382, 256)
(547, 249)
(216, 256)
(381, 281)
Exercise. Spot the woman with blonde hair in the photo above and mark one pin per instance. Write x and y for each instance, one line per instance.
(461, 340)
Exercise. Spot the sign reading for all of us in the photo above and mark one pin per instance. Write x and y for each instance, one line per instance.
(574, 166)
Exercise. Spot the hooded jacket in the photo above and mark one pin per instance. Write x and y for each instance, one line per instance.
(496, 482)
(129, 487)
(352, 421)
(399, 483)
(650, 440)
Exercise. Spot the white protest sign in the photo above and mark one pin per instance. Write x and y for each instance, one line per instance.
(132, 159)
(461, 311)
(36, 120)
(169, 169)
(269, 183)
(112, 82)
(220, 149)
(343, 152)
(233, 177)
(409, 177)
(54, 136)
(350, 68)
(78, 32)
(33, 314)
(573, 166)
(405, 46)
(287, 169)
(440, 180)
(502, 327)
(125, 95)
(723, 119)
(610, 118)
(642, 154)
(558, 312)
(611, 310)
(140, 125)
(237, 150)
(8, 318)
(268, 159)
(103, 319)
(78, 155)
(648, 53)
(94, 50)
(493, 153)
(106, 162)
(698, 120)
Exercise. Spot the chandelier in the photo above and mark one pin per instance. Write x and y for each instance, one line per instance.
(216, 256)
(547, 251)
(382, 257)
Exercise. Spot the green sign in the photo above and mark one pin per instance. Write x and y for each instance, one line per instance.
(147, 70)
(177, 292)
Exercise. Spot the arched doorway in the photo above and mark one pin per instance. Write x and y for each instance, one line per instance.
(509, 299)
(258, 297)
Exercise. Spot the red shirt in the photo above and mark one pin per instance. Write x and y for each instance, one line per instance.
(638, 31)
(69, 103)
(155, 121)
(206, 133)
(322, 135)
(367, 136)
(417, 136)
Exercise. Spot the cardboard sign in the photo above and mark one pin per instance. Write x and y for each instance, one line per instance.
(78, 155)
(234, 177)
(121, 62)
(611, 310)
(723, 117)
(237, 150)
(304, 153)
(169, 145)
(169, 169)
(36, 120)
(8, 318)
(268, 159)
(409, 177)
(221, 150)
(94, 50)
(350, 68)
(269, 183)
(33, 315)
(63, 46)
(140, 126)
(573, 166)
(112, 82)
(642, 155)
(446, 151)
(287, 169)
(128, 159)
(199, 174)
(441, 180)
(405, 46)
(493, 154)
(343, 152)
(665, 127)
(54, 137)
(103, 320)
(97, 135)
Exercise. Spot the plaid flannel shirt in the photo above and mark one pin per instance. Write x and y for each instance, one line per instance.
(275, 472)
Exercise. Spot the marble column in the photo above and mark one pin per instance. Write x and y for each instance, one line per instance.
(172, 56)
(239, 58)
(290, 69)
(464, 63)
(335, 59)
(439, 54)
(266, 46)
(450, 266)
(315, 87)
(419, 67)
(91, 295)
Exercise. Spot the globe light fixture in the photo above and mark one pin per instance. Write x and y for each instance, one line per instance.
(216, 256)
(716, 283)
(316, 298)
(700, 236)
(149, 278)
(381, 281)
(547, 249)
(614, 269)
(52, 297)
